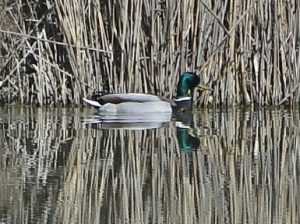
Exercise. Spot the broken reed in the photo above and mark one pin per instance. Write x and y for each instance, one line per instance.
(248, 51)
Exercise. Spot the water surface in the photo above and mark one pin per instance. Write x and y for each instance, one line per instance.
(58, 165)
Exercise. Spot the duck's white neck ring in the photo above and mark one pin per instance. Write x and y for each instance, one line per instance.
(179, 124)
(182, 99)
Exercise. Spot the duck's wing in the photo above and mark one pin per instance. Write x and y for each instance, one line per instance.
(98, 101)
(129, 97)
(133, 97)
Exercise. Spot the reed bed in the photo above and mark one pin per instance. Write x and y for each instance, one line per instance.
(54, 169)
(55, 52)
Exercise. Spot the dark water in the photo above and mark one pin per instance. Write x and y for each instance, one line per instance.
(65, 166)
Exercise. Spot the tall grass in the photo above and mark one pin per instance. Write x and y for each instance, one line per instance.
(248, 51)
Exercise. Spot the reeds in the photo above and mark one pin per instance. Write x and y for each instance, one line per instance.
(248, 51)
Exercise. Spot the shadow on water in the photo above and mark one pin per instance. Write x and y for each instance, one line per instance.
(65, 166)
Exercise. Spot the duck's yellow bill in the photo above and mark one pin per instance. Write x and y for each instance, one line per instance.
(204, 87)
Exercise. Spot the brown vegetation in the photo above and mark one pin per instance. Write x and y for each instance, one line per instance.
(62, 50)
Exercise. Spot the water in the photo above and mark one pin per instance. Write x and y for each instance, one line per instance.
(64, 166)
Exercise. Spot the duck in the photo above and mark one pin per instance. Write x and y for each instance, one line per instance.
(136, 103)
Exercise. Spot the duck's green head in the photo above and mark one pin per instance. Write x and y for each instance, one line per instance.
(188, 81)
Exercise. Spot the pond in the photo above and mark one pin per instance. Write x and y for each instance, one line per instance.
(67, 165)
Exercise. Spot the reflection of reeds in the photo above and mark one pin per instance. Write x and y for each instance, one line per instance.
(63, 50)
(54, 167)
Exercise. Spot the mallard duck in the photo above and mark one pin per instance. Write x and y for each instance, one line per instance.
(147, 103)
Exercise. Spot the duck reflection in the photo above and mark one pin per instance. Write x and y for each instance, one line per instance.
(183, 120)
(187, 142)
(184, 125)
(129, 121)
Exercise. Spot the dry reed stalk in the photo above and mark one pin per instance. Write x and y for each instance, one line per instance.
(246, 50)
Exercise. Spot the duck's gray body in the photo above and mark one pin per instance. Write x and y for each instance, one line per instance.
(130, 103)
